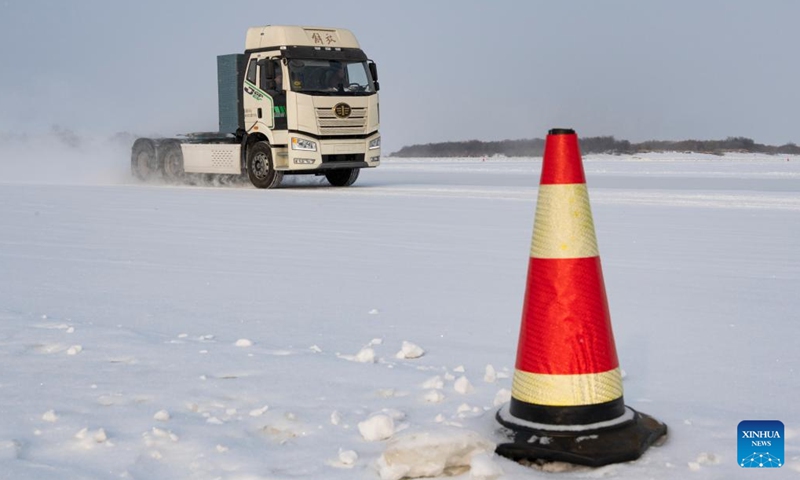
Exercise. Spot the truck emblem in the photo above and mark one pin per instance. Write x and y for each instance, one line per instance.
(342, 110)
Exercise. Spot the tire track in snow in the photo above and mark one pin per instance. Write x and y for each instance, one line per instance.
(728, 200)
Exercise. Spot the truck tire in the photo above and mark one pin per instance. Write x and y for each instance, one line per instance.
(144, 161)
(342, 178)
(171, 157)
(260, 167)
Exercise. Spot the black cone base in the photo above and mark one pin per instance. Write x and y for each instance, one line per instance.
(619, 443)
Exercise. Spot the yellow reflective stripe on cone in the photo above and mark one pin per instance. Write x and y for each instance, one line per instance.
(563, 227)
(567, 390)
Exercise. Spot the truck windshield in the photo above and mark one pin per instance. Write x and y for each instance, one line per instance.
(330, 77)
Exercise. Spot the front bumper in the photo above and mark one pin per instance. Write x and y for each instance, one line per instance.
(330, 154)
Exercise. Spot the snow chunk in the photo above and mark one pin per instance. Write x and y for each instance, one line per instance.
(158, 437)
(161, 416)
(483, 467)
(243, 342)
(74, 350)
(558, 467)
(542, 440)
(386, 392)
(465, 410)
(259, 411)
(336, 418)
(431, 454)
(347, 457)
(435, 383)
(503, 396)
(374, 311)
(315, 349)
(433, 396)
(160, 433)
(100, 436)
(365, 355)
(50, 416)
(490, 376)
(377, 427)
(463, 386)
(410, 351)
(459, 369)
(88, 438)
(708, 459)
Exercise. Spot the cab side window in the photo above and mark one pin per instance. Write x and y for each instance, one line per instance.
(251, 71)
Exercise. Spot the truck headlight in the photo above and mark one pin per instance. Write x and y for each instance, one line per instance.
(303, 144)
(375, 143)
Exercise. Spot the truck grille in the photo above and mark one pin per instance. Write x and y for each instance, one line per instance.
(347, 157)
(330, 124)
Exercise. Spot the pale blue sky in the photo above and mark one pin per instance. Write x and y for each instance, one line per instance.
(449, 70)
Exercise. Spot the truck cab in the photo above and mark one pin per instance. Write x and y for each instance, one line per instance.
(299, 100)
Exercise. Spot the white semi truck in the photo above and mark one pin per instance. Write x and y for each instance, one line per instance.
(299, 100)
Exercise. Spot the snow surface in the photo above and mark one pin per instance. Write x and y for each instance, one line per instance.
(163, 332)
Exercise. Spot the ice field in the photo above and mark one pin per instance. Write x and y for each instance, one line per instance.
(220, 331)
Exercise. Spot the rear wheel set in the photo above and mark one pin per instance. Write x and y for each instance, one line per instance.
(144, 160)
(171, 160)
(154, 159)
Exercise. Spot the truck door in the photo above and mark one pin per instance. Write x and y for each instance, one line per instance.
(272, 82)
(257, 103)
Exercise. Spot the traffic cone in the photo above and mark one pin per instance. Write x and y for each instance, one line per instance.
(566, 399)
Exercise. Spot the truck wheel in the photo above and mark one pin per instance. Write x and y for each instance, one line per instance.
(172, 160)
(144, 162)
(260, 167)
(343, 178)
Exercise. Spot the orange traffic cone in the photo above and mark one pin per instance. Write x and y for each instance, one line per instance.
(566, 398)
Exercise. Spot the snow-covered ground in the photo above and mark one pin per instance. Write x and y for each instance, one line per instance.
(165, 332)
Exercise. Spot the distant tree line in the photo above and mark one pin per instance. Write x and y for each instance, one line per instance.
(535, 147)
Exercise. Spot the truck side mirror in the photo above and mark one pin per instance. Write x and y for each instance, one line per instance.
(267, 75)
(373, 69)
(267, 68)
(377, 86)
